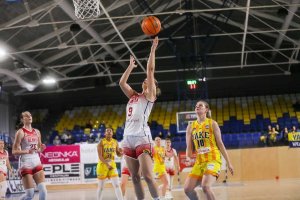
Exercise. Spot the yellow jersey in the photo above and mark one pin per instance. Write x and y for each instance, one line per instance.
(204, 141)
(159, 155)
(109, 149)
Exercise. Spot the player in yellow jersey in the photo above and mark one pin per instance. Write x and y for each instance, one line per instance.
(205, 134)
(106, 167)
(159, 167)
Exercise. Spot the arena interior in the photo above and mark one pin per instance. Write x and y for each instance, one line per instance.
(240, 56)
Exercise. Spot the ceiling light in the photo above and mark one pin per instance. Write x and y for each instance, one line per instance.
(3, 53)
(49, 80)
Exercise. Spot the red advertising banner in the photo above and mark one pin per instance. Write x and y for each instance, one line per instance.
(182, 161)
(61, 154)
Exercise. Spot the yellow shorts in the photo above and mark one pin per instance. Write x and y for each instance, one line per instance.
(211, 167)
(103, 172)
(159, 170)
(273, 138)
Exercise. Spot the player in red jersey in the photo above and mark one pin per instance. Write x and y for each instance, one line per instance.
(28, 144)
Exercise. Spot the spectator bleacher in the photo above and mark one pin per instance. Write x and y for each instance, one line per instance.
(241, 119)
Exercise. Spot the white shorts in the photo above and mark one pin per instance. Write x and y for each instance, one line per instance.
(170, 166)
(29, 161)
(3, 169)
(132, 142)
(134, 146)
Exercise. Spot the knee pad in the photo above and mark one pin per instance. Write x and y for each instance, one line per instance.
(42, 191)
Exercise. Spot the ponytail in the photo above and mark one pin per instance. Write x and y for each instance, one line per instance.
(21, 124)
(208, 114)
(158, 90)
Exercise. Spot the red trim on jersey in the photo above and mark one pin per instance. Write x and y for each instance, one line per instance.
(170, 151)
(5, 153)
(25, 130)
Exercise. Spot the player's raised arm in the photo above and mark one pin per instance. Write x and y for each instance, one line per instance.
(128, 91)
(151, 86)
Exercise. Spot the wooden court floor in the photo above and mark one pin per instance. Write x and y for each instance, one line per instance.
(288, 189)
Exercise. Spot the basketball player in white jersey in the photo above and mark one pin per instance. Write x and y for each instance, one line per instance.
(124, 176)
(172, 164)
(137, 143)
(4, 165)
(28, 144)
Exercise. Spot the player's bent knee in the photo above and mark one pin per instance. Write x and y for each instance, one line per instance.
(115, 182)
(148, 178)
(135, 178)
(206, 189)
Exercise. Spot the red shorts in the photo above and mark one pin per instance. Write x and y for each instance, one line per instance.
(135, 153)
(170, 171)
(25, 171)
(126, 171)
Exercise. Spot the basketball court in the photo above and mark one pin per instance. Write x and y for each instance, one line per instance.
(287, 189)
(260, 173)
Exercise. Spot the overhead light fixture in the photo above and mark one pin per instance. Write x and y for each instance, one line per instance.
(48, 80)
(3, 53)
(46, 77)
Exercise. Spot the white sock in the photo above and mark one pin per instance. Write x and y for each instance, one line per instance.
(29, 194)
(3, 188)
(42, 191)
(171, 183)
(100, 189)
(116, 185)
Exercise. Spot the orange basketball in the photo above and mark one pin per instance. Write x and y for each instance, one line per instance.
(151, 25)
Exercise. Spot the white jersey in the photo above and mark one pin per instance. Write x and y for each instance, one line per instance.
(3, 159)
(169, 159)
(30, 142)
(137, 113)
